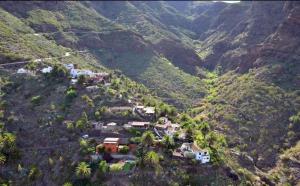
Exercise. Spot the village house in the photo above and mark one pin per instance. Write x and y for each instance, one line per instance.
(172, 129)
(168, 127)
(111, 144)
(139, 124)
(201, 155)
(23, 71)
(74, 81)
(148, 112)
(46, 70)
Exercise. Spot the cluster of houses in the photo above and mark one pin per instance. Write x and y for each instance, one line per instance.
(191, 150)
(166, 127)
(145, 112)
(93, 77)
(112, 126)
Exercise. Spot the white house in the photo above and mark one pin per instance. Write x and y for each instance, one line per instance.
(149, 110)
(74, 81)
(111, 126)
(74, 73)
(23, 71)
(46, 70)
(201, 155)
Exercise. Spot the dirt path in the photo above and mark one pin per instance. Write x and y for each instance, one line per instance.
(39, 60)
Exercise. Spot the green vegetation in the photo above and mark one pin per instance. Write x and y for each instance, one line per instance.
(171, 83)
(82, 122)
(35, 100)
(83, 170)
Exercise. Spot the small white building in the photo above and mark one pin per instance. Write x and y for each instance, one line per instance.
(46, 70)
(201, 155)
(23, 71)
(149, 110)
(74, 81)
(139, 124)
(111, 126)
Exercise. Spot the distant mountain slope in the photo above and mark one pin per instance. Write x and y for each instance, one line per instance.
(75, 25)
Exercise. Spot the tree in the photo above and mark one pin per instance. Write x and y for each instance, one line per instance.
(141, 154)
(189, 133)
(168, 142)
(81, 80)
(82, 122)
(88, 100)
(152, 159)
(204, 127)
(148, 138)
(58, 71)
(103, 167)
(83, 170)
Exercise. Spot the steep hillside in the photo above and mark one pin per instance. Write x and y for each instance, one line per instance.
(234, 67)
(61, 22)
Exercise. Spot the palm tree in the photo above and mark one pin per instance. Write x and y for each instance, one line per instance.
(152, 158)
(148, 138)
(168, 142)
(83, 170)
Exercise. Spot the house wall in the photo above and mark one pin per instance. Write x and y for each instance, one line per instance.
(111, 147)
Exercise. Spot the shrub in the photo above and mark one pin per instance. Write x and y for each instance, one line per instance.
(88, 100)
(59, 71)
(117, 167)
(100, 148)
(71, 94)
(82, 122)
(34, 173)
(35, 100)
(124, 150)
(81, 79)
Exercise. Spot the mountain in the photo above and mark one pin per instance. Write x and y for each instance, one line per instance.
(234, 66)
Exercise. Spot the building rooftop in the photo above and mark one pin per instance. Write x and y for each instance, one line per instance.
(111, 124)
(111, 140)
(138, 123)
(149, 110)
